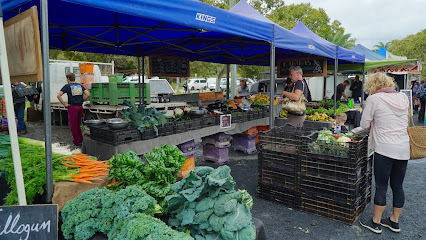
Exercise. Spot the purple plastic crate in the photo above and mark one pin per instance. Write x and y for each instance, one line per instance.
(244, 144)
(245, 136)
(189, 154)
(218, 155)
(187, 146)
(211, 141)
(218, 137)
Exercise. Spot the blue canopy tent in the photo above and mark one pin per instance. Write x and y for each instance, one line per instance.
(369, 55)
(184, 28)
(282, 40)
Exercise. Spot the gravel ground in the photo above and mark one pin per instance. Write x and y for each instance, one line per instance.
(284, 223)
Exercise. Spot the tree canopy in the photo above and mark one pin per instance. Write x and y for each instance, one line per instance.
(413, 46)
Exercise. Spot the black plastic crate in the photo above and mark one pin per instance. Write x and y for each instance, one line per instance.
(329, 169)
(286, 197)
(22, 92)
(249, 116)
(335, 191)
(115, 137)
(346, 213)
(180, 127)
(208, 121)
(269, 175)
(237, 117)
(194, 124)
(166, 129)
(286, 139)
(148, 133)
(281, 161)
(344, 152)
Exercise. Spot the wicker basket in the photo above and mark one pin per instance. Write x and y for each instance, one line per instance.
(417, 140)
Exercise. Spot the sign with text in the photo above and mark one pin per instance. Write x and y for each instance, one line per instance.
(34, 222)
(164, 66)
(225, 121)
(312, 67)
(22, 36)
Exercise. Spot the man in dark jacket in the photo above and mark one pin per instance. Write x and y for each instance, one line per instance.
(356, 89)
(19, 107)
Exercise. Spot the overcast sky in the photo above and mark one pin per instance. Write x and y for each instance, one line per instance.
(373, 21)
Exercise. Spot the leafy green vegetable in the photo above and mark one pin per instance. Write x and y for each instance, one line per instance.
(221, 212)
(126, 214)
(142, 117)
(155, 177)
(33, 163)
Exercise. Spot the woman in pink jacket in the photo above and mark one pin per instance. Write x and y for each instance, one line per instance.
(385, 114)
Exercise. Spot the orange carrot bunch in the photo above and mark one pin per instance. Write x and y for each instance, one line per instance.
(89, 168)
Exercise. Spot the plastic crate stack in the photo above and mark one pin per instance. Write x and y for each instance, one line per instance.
(188, 149)
(216, 148)
(280, 152)
(336, 179)
(245, 142)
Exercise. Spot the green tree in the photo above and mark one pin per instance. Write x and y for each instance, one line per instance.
(412, 46)
(341, 39)
(386, 46)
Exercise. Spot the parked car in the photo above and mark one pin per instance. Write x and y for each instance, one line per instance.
(211, 83)
(197, 84)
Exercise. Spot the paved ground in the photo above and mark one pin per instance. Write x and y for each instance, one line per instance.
(283, 223)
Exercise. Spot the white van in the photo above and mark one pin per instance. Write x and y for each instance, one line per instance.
(197, 84)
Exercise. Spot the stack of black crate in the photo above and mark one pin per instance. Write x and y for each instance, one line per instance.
(335, 178)
(280, 153)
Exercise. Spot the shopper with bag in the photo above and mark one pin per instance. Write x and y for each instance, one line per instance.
(295, 102)
(385, 115)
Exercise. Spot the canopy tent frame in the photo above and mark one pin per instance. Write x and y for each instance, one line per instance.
(252, 36)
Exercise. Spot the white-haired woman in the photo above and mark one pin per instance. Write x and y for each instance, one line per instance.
(386, 116)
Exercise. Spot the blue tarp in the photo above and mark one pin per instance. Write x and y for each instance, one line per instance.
(369, 55)
(290, 44)
(342, 53)
(6, 5)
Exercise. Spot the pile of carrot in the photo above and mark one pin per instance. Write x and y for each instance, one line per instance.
(89, 168)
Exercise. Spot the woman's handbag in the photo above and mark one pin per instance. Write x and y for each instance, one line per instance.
(417, 139)
(295, 107)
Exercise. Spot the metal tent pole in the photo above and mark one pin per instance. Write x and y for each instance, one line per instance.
(272, 88)
(4, 65)
(227, 81)
(363, 81)
(336, 62)
(139, 80)
(143, 80)
(46, 99)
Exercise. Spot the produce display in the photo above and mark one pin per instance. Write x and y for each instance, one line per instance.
(319, 117)
(155, 176)
(283, 114)
(142, 117)
(33, 163)
(331, 144)
(207, 205)
(126, 214)
(89, 168)
(262, 99)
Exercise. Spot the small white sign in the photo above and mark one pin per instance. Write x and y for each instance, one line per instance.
(225, 121)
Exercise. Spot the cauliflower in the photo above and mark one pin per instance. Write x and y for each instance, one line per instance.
(178, 111)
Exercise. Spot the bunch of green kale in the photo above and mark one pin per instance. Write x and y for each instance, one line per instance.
(207, 204)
